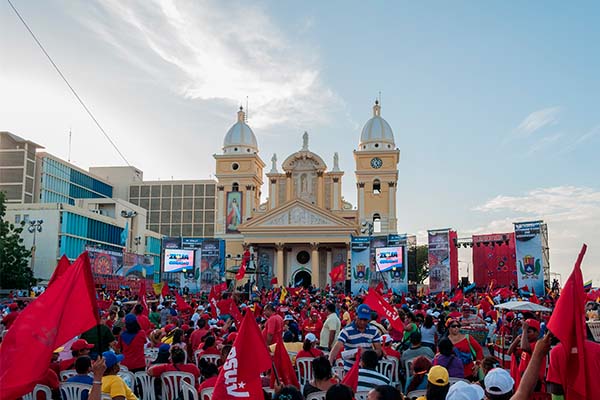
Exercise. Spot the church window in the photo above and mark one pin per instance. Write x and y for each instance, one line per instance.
(235, 166)
(376, 145)
(376, 223)
(235, 187)
(376, 186)
(303, 257)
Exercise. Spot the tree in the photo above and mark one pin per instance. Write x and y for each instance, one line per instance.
(418, 263)
(14, 256)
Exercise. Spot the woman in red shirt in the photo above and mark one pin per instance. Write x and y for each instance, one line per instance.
(131, 342)
(469, 347)
(209, 346)
(309, 347)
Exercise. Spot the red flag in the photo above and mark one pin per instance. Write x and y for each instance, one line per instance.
(142, 297)
(458, 296)
(338, 274)
(534, 299)
(383, 309)
(165, 289)
(67, 308)
(485, 305)
(351, 378)
(379, 288)
(242, 271)
(61, 267)
(283, 366)
(274, 281)
(567, 323)
(240, 375)
(182, 306)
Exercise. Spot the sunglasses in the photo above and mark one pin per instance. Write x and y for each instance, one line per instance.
(454, 326)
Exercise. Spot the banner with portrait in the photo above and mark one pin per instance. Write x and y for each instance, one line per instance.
(528, 249)
(233, 216)
(439, 260)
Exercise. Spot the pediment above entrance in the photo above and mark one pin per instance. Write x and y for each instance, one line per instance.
(297, 213)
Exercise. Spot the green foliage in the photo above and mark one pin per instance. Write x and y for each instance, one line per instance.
(14, 256)
(418, 263)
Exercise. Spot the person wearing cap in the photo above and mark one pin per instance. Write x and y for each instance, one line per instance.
(79, 348)
(312, 324)
(465, 391)
(498, 384)
(309, 347)
(131, 343)
(522, 348)
(331, 328)
(357, 334)
(112, 384)
(13, 313)
(438, 383)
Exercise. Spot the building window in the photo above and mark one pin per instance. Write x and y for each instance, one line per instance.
(376, 186)
(235, 166)
(303, 257)
(235, 187)
(376, 223)
(26, 218)
(17, 219)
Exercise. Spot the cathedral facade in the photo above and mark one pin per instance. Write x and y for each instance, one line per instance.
(304, 227)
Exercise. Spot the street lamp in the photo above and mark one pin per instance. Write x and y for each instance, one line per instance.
(129, 215)
(137, 241)
(35, 226)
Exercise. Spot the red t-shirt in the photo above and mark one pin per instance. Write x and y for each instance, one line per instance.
(313, 353)
(134, 351)
(9, 319)
(196, 337)
(145, 323)
(67, 364)
(559, 365)
(312, 327)
(463, 346)
(273, 326)
(210, 382)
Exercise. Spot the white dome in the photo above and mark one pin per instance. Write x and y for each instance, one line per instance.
(240, 138)
(377, 133)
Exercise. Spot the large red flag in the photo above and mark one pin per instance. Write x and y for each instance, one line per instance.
(240, 375)
(383, 308)
(283, 366)
(61, 267)
(351, 378)
(567, 323)
(458, 296)
(164, 292)
(66, 309)
(338, 274)
(182, 306)
(212, 299)
(142, 297)
(242, 271)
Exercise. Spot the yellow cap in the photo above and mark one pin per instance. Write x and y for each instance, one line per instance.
(438, 376)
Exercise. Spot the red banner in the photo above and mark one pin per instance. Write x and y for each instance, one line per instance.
(495, 263)
(378, 304)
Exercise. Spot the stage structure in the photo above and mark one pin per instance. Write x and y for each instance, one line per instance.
(494, 259)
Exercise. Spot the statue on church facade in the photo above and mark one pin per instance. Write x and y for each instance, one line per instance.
(305, 141)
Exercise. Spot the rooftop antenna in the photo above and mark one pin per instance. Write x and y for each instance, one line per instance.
(69, 155)
(380, 97)
(246, 109)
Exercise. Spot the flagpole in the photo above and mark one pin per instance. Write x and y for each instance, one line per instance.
(275, 372)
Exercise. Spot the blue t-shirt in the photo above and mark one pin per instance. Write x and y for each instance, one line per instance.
(85, 379)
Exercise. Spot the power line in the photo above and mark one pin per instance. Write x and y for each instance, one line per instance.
(69, 85)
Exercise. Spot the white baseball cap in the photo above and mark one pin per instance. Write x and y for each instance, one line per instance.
(498, 381)
(464, 391)
(311, 337)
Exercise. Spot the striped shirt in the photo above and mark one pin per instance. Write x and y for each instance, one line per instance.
(368, 379)
(352, 339)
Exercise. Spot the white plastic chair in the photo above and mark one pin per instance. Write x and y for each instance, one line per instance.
(171, 383)
(73, 391)
(37, 389)
(339, 372)
(189, 391)
(386, 367)
(128, 378)
(66, 374)
(211, 358)
(105, 396)
(123, 368)
(416, 394)
(206, 394)
(146, 385)
(317, 396)
(408, 368)
(361, 395)
(396, 375)
(305, 370)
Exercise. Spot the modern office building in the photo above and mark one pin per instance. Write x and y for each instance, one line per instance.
(17, 168)
(175, 208)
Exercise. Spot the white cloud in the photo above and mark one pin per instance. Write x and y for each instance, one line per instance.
(573, 217)
(210, 50)
(538, 119)
(595, 131)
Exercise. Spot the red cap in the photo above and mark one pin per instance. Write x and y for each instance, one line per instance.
(169, 328)
(231, 338)
(205, 316)
(510, 314)
(220, 323)
(81, 344)
(314, 314)
(13, 306)
(185, 327)
(533, 323)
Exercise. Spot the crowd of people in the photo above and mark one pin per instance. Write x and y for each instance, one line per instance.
(435, 352)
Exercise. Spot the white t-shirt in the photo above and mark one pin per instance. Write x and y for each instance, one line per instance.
(332, 323)
(428, 334)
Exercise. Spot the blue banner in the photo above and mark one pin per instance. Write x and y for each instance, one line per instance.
(528, 249)
(361, 269)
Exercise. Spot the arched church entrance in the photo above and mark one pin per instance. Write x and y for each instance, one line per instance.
(302, 278)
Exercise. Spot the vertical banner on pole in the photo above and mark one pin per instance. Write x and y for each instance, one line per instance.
(439, 260)
(360, 264)
(398, 274)
(528, 249)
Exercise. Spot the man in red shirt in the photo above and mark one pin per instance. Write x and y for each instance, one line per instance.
(198, 334)
(312, 325)
(274, 325)
(80, 347)
(559, 364)
(143, 320)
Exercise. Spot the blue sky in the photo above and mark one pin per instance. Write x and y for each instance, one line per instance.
(495, 107)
